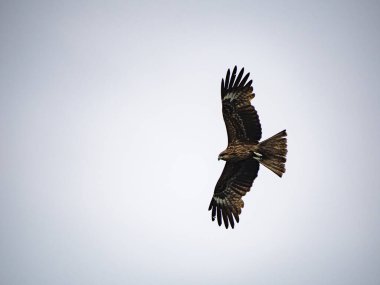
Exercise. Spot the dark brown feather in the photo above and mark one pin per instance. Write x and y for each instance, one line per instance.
(240, 117)
(230, 218)
(222, 88)
(213, 212)
(239, 77)
(225, 219)
(232, 81)
(227, 79)
(236, 175)
(219, 214)
(241, 85)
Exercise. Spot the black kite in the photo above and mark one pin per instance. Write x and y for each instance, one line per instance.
(244, 152)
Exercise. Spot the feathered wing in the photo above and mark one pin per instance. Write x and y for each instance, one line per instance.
(236, 180)
(240, 117)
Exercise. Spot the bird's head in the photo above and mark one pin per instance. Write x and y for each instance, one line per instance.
(223, 156)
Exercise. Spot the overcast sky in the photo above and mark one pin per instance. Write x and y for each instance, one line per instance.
(111, 124)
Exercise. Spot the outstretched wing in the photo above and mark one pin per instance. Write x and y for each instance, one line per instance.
(236, 180)
(242, 121)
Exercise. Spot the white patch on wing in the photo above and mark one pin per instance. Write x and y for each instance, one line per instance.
(232, 96)
(218, 200)
(258, 156)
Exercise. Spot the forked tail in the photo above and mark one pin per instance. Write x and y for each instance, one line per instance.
(273, 153)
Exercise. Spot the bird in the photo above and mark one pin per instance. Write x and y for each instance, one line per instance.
(244, 153)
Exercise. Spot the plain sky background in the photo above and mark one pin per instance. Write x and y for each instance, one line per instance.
(111, 124)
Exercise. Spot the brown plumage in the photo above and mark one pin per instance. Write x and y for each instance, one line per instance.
(244, 152)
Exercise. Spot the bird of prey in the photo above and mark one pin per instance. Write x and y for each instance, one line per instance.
(244, 152)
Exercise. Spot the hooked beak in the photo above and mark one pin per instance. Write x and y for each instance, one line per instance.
(219, 158)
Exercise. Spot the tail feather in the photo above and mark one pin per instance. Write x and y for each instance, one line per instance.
(273, 151)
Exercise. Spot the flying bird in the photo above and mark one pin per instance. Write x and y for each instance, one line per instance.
(244, 152)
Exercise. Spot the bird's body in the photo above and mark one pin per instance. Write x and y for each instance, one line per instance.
(239, 151)
(244, 152)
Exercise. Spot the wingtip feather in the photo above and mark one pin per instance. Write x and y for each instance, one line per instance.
(242, 83)
(213, 213)
(225, 219)
(239, 78)
(233, 76)
(219, 216)
(227, 82)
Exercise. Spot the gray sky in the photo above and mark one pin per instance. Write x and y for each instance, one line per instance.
(111, 123)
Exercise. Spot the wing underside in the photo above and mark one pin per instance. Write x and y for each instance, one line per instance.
(243, 125)
(236, 180)
(240, 117)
